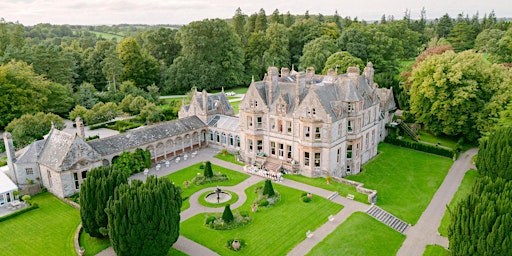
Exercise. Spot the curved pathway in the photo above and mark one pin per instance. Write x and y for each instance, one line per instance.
(425, 231)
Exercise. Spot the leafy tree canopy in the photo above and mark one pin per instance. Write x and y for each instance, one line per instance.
(211, 57)
(316, 52)
(341, 61)
(23, 91)
(29, 128)
(458, 94)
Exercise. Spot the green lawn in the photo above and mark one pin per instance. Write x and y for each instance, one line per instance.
(228, 158)
(48, 230)
(464, 189)
(187, 174)
(235, 105)
(273, 231)
(341, 188)
(360, 234)
(444, 140)
(435, 250)
(92, 245)
(237, 90)
(405, 179)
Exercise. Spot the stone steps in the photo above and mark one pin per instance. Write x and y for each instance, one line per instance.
(387, 218)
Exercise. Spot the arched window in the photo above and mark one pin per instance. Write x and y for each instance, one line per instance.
(223, 138)
(217, 137)
(237, 139)
(231, 141)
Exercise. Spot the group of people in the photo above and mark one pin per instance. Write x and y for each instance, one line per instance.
(263, 172)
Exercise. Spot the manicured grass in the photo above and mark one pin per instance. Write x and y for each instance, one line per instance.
(228, 158)
(444, 140)
(405, 179)
(464, 190)
(360, 234)
(92, 245)
(237, 90)
(235, 105)
(187, 174)
(342, 189)
(273, 231)
(435, 250)
(48, 230)
(202, 200)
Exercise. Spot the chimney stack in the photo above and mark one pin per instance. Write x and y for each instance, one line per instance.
(80, 130)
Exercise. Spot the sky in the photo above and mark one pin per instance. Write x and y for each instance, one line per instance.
(107, 12)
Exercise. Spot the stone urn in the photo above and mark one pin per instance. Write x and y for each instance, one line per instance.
(235, 245)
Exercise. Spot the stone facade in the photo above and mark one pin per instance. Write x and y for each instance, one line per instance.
(315, 125)
(61, 161)
(319, 125)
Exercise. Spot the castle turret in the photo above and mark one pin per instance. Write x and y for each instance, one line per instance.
(11, 156)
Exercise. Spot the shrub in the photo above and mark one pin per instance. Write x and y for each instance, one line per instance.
(227, 215)
(26, 198)
(208, 173)
(209, 220)
(306, 199)
(268, 189)
(263, 202)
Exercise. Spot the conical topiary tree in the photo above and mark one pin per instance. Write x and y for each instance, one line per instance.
(208, 173)
(227, 215)
(268, 189)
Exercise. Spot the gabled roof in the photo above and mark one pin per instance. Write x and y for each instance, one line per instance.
(29, 153)
(62, 150)
(212, 101)
(145, 135)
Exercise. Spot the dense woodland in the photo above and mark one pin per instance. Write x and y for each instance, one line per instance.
(99, 72)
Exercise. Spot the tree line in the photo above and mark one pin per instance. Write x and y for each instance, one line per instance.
(58, 68)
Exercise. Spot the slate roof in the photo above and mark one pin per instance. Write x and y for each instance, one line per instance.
(29, 153)
(212, 100)
(136, 138)
(56, 148)
(330, 91)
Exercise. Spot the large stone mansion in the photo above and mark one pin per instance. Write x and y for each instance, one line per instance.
(314, 125)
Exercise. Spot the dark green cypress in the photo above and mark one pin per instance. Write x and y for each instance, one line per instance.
(144, 218)
(94, 194)
(227, 215)
(495, 154)
(208, 172)
(268, 189)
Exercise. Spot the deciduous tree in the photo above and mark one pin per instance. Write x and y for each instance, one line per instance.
(23, 91)
(211, 57)
(341, 61)
(316, 52)
(458, 94)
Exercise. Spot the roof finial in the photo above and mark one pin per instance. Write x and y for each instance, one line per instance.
(222, 89)
(293, 67)
(252, 79)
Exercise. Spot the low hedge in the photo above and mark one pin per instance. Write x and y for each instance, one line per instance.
(420, 147)
(24, 210)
